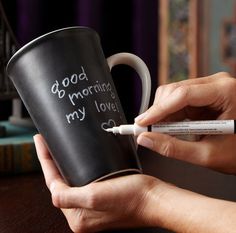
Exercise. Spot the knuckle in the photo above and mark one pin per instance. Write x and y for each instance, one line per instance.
(229, 85)
(182, 92)
(59, 199)
(164, 91)
(56, 199)
(168, 148)
(169, 87)
(207, 158)
(166, 88)
(159, 92)
(92, 198)
(222, 74)
(161, 88)
(206, 161)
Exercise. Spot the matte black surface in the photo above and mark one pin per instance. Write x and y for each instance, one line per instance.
(70, 114)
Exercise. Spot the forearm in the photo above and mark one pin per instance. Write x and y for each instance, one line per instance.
(183, 211)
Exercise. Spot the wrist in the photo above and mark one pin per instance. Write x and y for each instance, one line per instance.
(181, 210)
(158, 211)
(171, 207)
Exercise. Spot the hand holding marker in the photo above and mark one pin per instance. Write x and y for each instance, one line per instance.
(179, 128)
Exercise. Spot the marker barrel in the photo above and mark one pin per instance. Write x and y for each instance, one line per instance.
(196, 127)
(212, 127)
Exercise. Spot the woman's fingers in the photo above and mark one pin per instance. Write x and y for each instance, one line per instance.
(63, 196)
(198, 92)
(165, 90)
(51, 173)
(183, 96)
(213, 151)
(193, 152)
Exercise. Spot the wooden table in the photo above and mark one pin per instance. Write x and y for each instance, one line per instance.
(25, 206)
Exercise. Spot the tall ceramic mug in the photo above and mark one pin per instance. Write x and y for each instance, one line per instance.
(65, 83)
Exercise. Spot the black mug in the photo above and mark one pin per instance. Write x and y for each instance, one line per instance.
(65, 83)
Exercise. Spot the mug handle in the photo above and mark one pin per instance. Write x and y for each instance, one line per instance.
(140, 67)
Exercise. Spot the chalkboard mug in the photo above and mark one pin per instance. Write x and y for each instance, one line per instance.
(65, 83)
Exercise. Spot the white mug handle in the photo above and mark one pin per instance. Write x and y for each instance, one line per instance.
(140, 67)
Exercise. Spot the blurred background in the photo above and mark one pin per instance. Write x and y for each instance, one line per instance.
(177, 39)
(124, 26)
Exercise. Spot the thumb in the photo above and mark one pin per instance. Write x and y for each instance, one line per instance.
(173, 147)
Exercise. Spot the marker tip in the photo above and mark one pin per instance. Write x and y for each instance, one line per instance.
(109, 130)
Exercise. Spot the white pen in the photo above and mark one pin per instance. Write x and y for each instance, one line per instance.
(179, 128)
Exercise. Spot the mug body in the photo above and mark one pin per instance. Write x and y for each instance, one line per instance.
(65, 83)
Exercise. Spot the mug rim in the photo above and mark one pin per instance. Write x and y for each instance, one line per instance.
(39, 38)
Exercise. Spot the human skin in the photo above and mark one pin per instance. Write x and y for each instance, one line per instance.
(212, 97)
(134, 201)
(145, 201)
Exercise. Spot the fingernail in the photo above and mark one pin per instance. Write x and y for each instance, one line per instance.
(34, 137)
(145, 141)
(140, 117)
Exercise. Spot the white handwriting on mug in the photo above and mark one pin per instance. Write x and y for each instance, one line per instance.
(83, 89)
(78, 114)
(109, 124)
(91, 90)
(67, 81)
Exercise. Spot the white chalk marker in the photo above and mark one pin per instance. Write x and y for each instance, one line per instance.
(211, 127)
